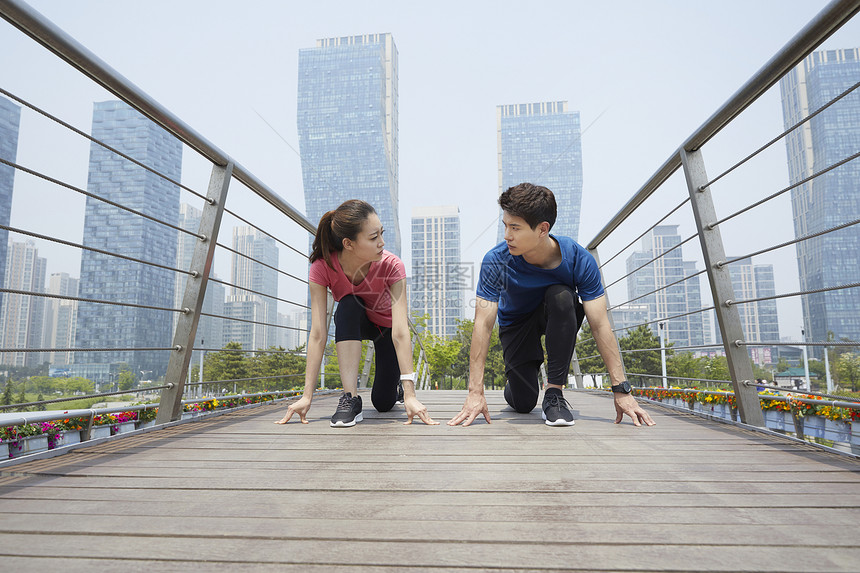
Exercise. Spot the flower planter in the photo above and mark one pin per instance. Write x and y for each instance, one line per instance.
(123, 428)
(4, 450)
(67, 437)
(188, 415)
(722, 411)
(27, 445)
(837, 431)
(148, 424)
(100, 432)
(813, 426)
(778, 420)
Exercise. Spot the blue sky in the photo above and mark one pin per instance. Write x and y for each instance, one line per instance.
(643, 75)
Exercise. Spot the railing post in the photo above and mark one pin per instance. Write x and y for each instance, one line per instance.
(368, 360)
(170, 407)
(577, 372)
(329, 313)
(728, 318)
(608, 314)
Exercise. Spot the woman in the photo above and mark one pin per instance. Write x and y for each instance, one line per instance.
(369, 284)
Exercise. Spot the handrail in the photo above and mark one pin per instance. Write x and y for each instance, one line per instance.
(821, 27)
(49, 35)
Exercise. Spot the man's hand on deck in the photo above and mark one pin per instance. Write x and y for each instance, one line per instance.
(627, 404)
(475, 404)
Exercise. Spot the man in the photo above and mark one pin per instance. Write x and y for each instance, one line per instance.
(532, 283)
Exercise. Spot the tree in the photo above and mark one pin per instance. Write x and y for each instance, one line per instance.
(816, 369)
(127, 379)
(22, 396)
(225, 364)
(590, 361)
(441, 354)
(847, 368)
(685, 365)
(7, 393)
(276, 362)
(645, 361)
(40, 407)
(717, 368)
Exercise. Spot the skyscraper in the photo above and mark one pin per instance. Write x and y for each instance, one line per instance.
(691, 330)
(251, 275)
(759, 320)
(830, 199)
(347, 123)
(105, 227)
(22, 316)
(540, 143)
(10, 119)
(439, 279)
(60, 318)
(210, 331)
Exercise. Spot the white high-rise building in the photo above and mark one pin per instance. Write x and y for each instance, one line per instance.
(439, 278)
(60, 318)
(22, 316)
(257, 329)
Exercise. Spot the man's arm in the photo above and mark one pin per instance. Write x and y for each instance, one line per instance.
(485, 317)
(607, 345)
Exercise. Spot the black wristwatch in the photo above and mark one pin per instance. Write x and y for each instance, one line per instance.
(622, 388)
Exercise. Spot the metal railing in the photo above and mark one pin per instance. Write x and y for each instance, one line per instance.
(226, 173)
(688, 159)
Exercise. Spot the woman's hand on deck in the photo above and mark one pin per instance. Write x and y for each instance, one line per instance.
(416, 408)
(301, 407)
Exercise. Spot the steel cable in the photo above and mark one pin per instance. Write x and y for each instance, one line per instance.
(101, 143)
(101, 252)
(96, 197)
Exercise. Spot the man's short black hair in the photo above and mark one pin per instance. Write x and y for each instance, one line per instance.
(533, 203)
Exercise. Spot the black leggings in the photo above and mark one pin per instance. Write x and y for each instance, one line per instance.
(559, 316)
(351, 323)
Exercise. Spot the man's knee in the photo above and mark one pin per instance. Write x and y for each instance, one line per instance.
(560, 299)
(521, 402)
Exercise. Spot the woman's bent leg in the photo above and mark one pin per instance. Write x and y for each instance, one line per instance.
(348, 322)
(384, 393)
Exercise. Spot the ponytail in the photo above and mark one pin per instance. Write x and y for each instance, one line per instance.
(343, 223)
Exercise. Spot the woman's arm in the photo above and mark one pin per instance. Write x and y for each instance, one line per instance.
(315, 350)
(403, 348)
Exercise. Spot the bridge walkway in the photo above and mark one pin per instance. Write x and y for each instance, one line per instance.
(239, 493)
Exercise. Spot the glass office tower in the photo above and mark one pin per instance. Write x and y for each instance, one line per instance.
(830, 199)
(540, 143)
(347, 123)
(10, 120)
(106, 227)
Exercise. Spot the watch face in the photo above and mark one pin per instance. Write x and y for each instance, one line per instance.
(626, 387)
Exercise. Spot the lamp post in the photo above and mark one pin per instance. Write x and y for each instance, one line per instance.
(200, 377)
(660, 326)
(805, 362)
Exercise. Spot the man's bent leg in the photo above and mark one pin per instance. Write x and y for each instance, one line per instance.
(522, 388)
(563, 316)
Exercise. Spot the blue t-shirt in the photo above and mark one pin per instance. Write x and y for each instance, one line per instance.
(519, 287)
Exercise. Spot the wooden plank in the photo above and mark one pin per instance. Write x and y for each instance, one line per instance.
(239, 492)
(559, 555)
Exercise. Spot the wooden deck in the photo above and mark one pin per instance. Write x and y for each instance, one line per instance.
(238, 493)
